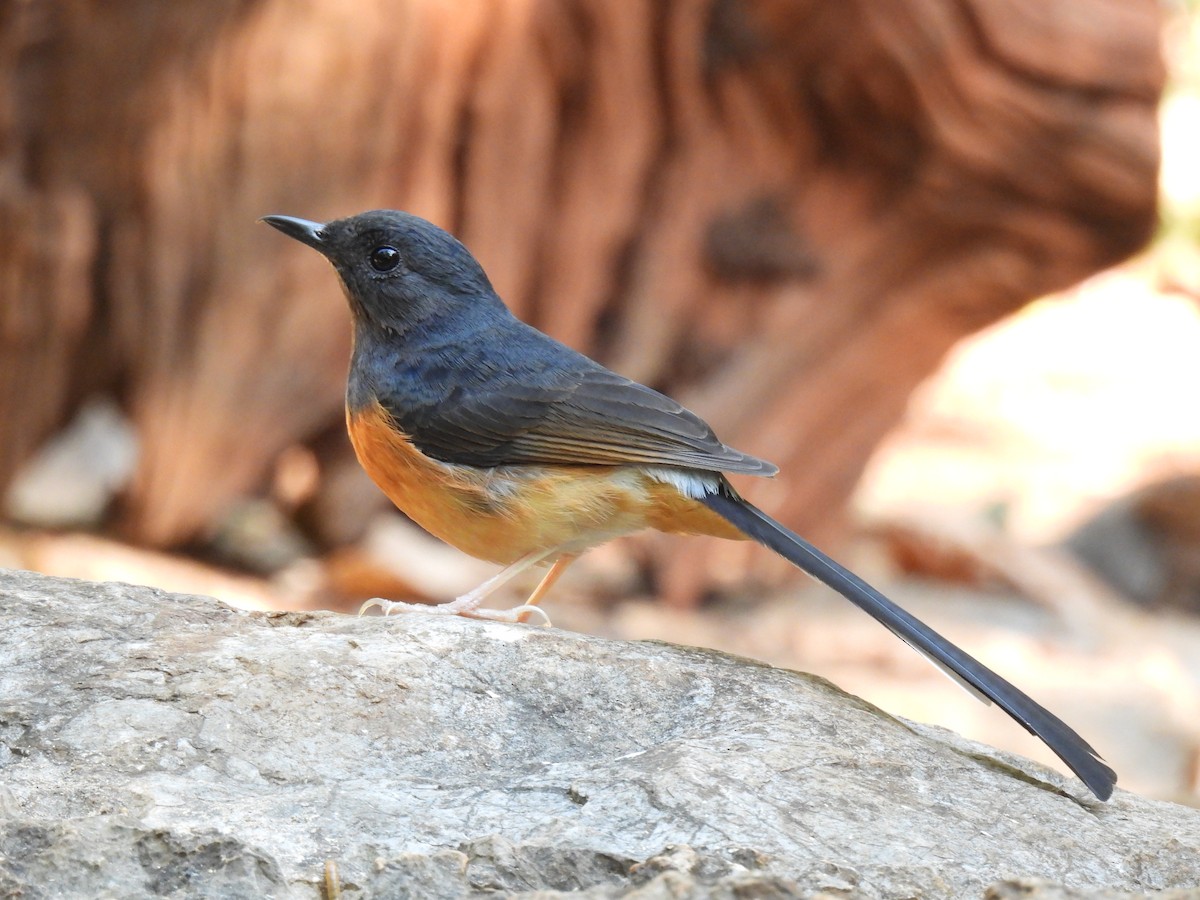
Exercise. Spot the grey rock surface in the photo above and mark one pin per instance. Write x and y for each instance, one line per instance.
(165, 745)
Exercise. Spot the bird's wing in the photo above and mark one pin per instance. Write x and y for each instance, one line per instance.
(565, 409)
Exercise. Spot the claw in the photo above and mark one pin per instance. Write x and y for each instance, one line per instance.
(390, 606)
(375, 601)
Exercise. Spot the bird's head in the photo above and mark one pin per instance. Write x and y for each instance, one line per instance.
(397, 269)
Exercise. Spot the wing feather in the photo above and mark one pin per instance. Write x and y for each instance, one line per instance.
(558, 407)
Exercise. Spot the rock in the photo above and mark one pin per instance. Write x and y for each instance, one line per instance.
(1040, 889)
(166, 745)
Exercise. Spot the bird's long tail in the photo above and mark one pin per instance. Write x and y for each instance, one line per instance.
(1058, 736)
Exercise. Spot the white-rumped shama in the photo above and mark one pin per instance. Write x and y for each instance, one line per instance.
(518, 450)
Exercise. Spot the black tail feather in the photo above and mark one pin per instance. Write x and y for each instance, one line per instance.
(1058, 736)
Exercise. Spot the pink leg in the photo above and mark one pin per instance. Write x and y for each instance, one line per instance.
(547, 582)
(469, 603)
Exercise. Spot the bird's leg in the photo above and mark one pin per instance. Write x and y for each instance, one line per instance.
(547, 582)
(469, 603)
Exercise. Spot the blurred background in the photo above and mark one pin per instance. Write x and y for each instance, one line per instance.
(922, 255)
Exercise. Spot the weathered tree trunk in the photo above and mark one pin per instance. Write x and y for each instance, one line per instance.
(782, 211)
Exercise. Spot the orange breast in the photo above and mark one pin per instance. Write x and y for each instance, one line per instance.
(505, 513)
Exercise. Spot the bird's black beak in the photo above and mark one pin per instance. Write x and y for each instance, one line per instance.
(304, 231)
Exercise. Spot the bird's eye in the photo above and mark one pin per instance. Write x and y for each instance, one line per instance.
(384, 259)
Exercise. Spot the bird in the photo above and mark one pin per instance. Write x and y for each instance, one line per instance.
(519, 450)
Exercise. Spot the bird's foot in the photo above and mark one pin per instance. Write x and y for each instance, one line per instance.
(466, 605)
(388, 607)
(516, 614)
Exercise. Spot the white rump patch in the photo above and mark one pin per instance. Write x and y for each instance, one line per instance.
(689, 482)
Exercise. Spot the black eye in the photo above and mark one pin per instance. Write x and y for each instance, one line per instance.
(384, 259)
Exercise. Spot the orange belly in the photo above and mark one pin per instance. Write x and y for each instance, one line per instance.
(508, 512)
